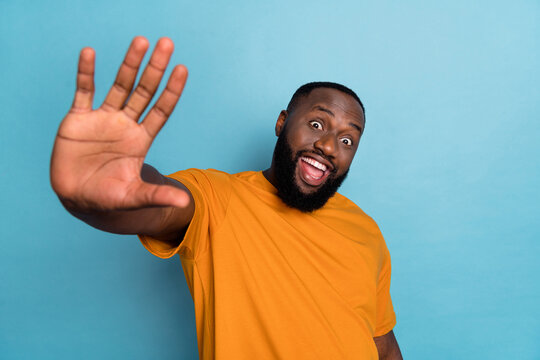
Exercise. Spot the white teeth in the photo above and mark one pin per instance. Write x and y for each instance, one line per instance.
(315, 163)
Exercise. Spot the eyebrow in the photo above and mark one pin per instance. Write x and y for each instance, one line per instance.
(356, 127)
(323, 109)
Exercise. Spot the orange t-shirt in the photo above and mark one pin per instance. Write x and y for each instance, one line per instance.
(271, 282)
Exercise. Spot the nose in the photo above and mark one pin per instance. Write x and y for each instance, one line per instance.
(327, 144)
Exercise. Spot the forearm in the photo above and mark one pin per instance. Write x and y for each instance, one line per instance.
(160, 221)
(149, 221)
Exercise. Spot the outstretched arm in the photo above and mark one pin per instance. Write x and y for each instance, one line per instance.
(97, 164)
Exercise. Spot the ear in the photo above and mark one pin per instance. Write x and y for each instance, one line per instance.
(280, 123)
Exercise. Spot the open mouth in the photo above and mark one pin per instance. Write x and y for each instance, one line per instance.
(312, 172)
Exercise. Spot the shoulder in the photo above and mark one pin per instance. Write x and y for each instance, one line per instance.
(207, 185)
(348, 216)
(360, 226)
(342, 204)
(199, 173)
(202, 179)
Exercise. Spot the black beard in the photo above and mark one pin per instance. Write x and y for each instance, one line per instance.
(288, 190)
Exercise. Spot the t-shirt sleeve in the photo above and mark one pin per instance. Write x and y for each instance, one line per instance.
(211, 192)
(386, 318)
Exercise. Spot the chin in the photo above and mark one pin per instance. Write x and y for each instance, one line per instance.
(306, 189)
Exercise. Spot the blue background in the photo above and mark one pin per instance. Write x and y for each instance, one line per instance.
(448, 165)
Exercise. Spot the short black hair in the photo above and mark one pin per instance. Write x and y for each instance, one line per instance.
(305, 89)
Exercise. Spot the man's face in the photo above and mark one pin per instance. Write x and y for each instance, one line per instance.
(316, 145)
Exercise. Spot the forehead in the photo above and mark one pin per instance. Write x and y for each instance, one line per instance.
(340, 103)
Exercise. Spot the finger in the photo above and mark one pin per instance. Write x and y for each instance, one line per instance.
(126, 75)
(150, 78)
(162, 195)
(163, 108)
(84, 94)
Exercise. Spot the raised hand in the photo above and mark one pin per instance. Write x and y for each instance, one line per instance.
(98, 154)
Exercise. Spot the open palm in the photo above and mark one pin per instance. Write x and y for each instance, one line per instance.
(98, 154)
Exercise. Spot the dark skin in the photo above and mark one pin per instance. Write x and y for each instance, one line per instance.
(97, 164)
(327, 124)
(388, 347)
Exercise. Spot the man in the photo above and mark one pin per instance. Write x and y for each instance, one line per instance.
(278, 264)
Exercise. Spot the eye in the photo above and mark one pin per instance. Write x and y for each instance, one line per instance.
(316, 124)
(347, 141)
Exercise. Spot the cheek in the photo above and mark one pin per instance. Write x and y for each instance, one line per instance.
(301, 140)
(346, 159)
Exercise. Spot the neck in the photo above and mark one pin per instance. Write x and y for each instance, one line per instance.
(270, 174)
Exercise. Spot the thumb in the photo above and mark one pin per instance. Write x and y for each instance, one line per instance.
(162, 195)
